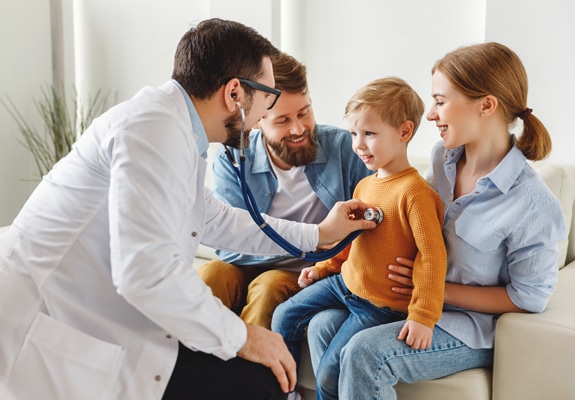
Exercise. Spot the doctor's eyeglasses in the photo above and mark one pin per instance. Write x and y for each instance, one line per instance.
(274, 93)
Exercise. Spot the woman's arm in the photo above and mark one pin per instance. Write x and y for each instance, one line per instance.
(487, 299)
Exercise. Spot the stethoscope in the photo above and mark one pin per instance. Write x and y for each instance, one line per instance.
(371, 214)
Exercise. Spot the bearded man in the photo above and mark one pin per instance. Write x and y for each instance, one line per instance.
(297, 170)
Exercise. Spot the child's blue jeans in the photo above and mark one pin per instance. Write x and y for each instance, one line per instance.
(291, 318)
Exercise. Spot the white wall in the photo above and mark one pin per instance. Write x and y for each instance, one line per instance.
(124, 45)
(25, 65)
(346, 44)
(543, 35)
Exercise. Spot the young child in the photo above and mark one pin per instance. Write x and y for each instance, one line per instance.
(382, 117)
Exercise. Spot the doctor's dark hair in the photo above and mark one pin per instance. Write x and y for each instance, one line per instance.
(290, 75)
(493, 69)
(392, 99)
(215, 51)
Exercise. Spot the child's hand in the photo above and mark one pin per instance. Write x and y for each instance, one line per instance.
(307, 276)
(416, 335)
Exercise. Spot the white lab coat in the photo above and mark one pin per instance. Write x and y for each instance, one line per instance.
(96, 282)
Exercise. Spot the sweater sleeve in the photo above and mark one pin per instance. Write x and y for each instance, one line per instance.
(430, 264)
(333, 265)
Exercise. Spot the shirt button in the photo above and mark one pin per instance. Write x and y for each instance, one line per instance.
(457, 203)
(194, 234)
(158, 378)
(169, 336)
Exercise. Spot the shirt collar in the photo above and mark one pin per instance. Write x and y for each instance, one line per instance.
(506, 172)
(197, 126)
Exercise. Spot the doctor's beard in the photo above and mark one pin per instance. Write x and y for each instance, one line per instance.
(233, 126)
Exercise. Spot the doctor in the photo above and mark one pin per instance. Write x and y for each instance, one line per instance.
(98, 298)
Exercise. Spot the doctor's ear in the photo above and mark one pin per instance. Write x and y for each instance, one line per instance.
(232, 93)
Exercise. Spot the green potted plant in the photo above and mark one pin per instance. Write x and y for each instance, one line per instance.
(62, 125)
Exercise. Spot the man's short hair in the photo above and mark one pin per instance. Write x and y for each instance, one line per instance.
(215, 51)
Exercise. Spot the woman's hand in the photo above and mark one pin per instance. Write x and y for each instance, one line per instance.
(402, 273)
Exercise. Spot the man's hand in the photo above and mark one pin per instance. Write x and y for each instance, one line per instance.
(342, 220)
(416, 335)
(308, 276)
(268, 348)
(402, 273)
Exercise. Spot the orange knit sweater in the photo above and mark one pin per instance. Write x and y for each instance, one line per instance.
(411, 228)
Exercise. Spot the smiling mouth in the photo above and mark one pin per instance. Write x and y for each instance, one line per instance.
(295, 139)
(442, 128)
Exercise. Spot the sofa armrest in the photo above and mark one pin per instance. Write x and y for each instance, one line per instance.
(535, 353)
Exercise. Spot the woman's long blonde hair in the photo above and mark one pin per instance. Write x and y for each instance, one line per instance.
(494, 69)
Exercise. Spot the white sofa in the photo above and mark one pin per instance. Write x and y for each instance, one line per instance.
(534, 353)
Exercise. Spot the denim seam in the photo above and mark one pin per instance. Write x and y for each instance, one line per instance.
(436, 349)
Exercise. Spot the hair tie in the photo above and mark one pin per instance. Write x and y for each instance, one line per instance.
(524, 113)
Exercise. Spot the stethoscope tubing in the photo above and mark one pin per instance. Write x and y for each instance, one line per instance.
(252, 208)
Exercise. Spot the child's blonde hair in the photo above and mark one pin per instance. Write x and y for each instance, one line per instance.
(392, 99)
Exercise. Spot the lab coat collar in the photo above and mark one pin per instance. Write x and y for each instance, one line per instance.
(197, 126)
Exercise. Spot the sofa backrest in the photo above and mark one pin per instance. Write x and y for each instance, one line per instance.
(561, 180)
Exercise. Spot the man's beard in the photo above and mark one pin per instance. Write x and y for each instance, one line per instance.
(233, 126)
(295, 157)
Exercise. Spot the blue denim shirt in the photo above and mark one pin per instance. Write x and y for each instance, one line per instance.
(333, 177)
(504, 233)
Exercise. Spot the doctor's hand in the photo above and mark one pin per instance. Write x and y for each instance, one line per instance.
(268, 348)
(341, 221)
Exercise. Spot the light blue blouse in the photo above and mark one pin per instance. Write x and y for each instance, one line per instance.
(503, 233)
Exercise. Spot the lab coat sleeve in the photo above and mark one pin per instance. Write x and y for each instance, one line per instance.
(232, 229)
(157, 210)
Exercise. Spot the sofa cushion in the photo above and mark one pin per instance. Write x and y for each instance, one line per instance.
(472, 384)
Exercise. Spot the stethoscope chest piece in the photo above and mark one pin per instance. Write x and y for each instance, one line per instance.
(252, 208)
(374, 214)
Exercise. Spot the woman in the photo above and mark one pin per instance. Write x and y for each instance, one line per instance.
(501, 230)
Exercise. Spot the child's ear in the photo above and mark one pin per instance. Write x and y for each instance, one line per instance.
(406, 130)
